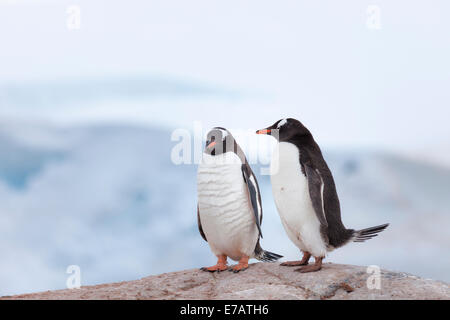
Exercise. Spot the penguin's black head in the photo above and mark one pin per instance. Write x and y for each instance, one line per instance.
(286, 129)
(219, 141)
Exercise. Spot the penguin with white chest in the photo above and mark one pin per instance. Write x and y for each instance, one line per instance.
(305, 196)
(229, 211)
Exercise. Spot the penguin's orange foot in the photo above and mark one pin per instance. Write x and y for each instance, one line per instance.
(294, 263)
(311, 268)
(220, 266)
(303, 262)
(241, 266)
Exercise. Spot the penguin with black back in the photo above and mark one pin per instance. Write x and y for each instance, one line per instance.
(306, 197)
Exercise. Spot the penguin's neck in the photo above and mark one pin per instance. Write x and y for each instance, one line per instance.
(301, 141)
(225, 158)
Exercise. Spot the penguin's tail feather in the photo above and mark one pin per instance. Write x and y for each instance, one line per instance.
(368, 233)
(263, 255)
(268, 256)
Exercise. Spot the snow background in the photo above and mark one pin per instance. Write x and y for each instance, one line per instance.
(86, 118)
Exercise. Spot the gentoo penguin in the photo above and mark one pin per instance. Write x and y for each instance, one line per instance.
(305, 195)
(229, 211)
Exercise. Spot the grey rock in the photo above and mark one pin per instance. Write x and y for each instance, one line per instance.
(261, 281)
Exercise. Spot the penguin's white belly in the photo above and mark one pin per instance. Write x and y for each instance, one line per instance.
(225, 211)
(291, 193)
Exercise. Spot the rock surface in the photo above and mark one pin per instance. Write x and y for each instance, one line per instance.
(261, 281)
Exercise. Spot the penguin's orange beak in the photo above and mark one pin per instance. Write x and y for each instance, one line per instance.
(263, 131)
(212, 144)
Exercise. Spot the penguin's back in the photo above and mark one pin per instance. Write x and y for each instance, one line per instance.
(225, 211)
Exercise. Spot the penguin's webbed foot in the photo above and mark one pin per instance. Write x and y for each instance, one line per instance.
(217, 267)
(311, 268)
(303, 262)
(294, 263)
(241, 266)
(220, 266)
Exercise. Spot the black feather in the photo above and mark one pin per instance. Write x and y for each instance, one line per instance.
(368, 233)
(266, 256)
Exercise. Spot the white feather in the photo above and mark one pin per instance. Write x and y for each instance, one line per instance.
(322, 188)
(252, 181)
(225, 212)
(281, 123)
(224, 133)
(291, 192)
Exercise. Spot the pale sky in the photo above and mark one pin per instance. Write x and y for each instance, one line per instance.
(315, 61)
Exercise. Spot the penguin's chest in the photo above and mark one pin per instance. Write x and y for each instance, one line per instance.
(291, 193)
(225, 211)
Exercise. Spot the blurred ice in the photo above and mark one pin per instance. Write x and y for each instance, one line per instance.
(108, 198)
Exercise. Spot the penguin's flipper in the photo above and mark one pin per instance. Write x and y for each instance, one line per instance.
(253, 192)
(200, 229)
(316, 188)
